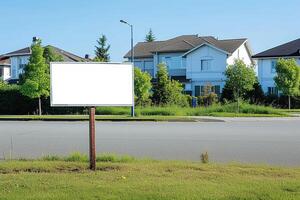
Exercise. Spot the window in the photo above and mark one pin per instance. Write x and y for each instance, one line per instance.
(272, 91)
(21, 68)
(273, 66)
(1, 72)
(216, 89)
(168, 61)
(202, 89)
(205, 65)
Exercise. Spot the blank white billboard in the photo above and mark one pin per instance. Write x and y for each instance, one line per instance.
(91, 84)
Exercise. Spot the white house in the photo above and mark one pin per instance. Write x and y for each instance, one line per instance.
(4, 69)
(266, 62)
(193, 60)
(16, 61)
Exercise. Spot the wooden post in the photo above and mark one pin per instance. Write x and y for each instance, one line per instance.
(92, 139)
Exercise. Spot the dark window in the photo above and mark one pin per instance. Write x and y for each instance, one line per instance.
(217, 89)
(197, 90)
(272, 91)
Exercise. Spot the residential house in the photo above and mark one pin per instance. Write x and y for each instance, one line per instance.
(17, 60)
(266, 62)
(4, 69)
(193, 60)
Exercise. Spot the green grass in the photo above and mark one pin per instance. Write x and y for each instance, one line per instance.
(79, 157)
(171, 113)
(222, 110)
(139, 179)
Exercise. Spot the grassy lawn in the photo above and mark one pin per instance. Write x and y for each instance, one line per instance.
(165, 113)
(146, 179)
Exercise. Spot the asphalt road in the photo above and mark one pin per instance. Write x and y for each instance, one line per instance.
(265, 142)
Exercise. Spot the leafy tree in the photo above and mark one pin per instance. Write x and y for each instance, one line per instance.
(51, 56)
(287, 78)
(167, 91)
(102, 49)
(256, 95)
(150, 36)
(240, 79)
(36, 81)
(142, 87)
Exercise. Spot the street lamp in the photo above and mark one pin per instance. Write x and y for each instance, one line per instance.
(131, 55)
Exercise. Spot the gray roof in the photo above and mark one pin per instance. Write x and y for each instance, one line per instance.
(285, 50)
(24, 51)
(67, 56)
(183, 43)
(5, 62)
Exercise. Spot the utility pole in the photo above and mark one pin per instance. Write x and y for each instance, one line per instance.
(131, 55)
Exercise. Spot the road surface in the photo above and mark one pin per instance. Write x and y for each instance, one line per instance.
(250, 141)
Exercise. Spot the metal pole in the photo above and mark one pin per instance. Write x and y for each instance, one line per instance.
(132, 60)
(92, 138)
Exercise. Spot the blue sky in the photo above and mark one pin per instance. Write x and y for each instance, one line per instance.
(75, 25)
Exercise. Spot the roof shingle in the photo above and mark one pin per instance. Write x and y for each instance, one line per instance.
(285, 50)
(183, 43)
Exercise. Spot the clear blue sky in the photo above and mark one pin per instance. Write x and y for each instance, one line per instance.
(75, 25)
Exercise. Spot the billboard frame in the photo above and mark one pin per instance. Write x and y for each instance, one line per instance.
(91, 105)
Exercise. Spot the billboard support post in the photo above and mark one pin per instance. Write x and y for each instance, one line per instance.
(92, 138)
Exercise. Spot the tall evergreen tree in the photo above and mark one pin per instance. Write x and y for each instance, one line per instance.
(101, 52)
(150, 36)
(36, 80)
(167, 91)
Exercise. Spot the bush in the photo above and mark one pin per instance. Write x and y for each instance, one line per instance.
(113, 110)
(77, 157)
(12, 102)
(114, 158)
(204, 158)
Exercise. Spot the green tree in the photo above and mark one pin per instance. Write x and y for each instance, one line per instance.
(240, 79)
(287, 78)
(142, 87)
(36, 81)
(150, 36)
(101, 52)
(167, 91)
(51, 56)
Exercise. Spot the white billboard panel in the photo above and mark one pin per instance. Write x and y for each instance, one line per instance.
(91, 84)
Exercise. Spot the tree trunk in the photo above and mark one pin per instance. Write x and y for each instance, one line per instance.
(289, 102)
(238, 102)
(40, 106)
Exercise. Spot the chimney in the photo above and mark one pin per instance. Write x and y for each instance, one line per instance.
(87, 56)
(34, 39)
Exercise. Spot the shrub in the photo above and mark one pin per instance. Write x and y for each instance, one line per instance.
(167, 91)
(114, 158)
(204, 158)
(77, 157)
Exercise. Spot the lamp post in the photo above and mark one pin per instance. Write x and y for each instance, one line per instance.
(131, 55)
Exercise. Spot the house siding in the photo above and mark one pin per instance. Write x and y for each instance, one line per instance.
(265, 74)
(16, 63)
(242, 54)
(215, 76)
(145, 64)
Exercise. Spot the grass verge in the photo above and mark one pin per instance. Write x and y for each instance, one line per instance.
(146, 179)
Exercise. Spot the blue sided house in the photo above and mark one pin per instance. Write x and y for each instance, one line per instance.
(193, 60)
